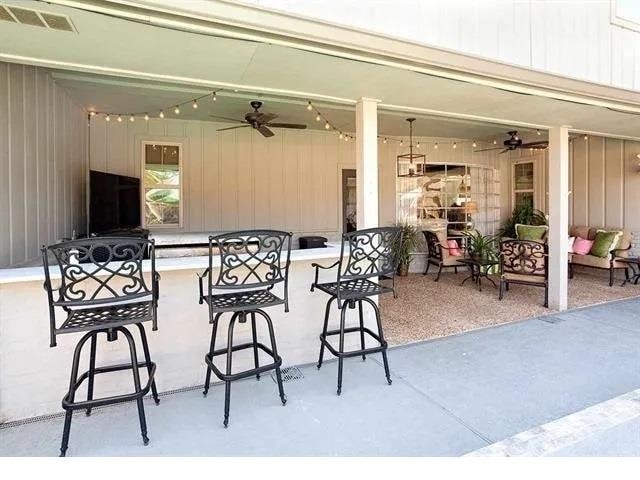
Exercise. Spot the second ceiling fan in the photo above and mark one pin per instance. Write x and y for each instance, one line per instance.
(514, 142)
(259, 121)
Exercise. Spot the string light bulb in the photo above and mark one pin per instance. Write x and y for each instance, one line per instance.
(309, 107)
(384, 141)
(586, 137)
(146, 117)
(341, 136)
(214, 97)
(119, 119)
(418, 145)
(346, 139)
(474, 144)
(435, 146)
(176, 110)
(107, 118)
(195, 104)
(161, 114)
(538, 131)
(132, 118)
(401, 143)
(318, 118)
(455, 145)
(327, 126)
(92, 113)
(495, 142)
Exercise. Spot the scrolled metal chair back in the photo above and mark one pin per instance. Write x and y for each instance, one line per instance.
(250, 259)
(523, 257)
(434, 248)
(370, 253)
(99, 270)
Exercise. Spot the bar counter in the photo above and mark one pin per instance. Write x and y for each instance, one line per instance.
(34, 377)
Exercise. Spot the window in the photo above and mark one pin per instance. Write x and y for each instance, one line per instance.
(162, 184)
(523, 184)
(626, 13)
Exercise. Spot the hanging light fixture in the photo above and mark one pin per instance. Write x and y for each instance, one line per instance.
(411, 164)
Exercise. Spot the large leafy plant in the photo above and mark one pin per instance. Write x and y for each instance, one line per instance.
(481, 246)
(403, 247)
(524, 214)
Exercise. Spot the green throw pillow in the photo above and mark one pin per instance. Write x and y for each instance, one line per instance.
(604, 243)
(534, 233)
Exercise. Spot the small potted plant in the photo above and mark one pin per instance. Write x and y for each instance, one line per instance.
(481, 247)
(403, 249)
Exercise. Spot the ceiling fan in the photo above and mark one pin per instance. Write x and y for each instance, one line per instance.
(260, 121)
(514, 142)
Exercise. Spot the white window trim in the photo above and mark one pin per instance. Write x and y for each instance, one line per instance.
(515, 190)
(180, 146)
(621, 21)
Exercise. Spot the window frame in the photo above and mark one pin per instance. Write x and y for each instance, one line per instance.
(143, 190)
(514, 190)
(622, 21)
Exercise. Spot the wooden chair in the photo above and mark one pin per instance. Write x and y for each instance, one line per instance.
(525, 263)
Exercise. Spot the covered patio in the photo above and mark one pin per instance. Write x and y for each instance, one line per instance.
(170, 124)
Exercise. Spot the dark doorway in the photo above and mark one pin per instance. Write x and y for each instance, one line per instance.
(349, 200)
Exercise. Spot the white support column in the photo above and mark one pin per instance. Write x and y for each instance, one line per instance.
(367, 162)
(558, 216)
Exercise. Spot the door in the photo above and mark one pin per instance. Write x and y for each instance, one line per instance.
(349, 200)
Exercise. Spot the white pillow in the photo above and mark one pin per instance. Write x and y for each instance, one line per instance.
(571, 242)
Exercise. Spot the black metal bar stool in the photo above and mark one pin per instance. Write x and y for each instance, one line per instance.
(103, 290)
(252, 263)
(370, 255)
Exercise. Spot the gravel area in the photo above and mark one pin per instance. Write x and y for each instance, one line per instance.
(426, 309)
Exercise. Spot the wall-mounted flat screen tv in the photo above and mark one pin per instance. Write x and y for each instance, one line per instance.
(114, 202)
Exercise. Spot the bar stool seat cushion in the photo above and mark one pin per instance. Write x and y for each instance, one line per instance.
(86, 319)
(242, 300)
(353, 288)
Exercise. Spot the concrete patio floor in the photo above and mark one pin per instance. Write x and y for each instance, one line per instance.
(450, 396)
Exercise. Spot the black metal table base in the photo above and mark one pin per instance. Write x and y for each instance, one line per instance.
(361, 329)
(69, 404)
(635, 274)
(476, 276)
(228, 376)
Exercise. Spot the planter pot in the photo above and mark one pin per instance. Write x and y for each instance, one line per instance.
(403, 269)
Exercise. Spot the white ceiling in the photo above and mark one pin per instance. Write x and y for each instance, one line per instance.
(180, 64)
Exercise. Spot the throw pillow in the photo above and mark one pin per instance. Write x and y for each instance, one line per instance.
(617, 241)
(604, 243)
(571, 242)
(534, 233)
(582, 246)
(454, 248)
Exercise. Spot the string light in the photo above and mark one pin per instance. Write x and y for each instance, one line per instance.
(214, 97)
(401, 143)
(455, 145)
(435, 146)
(538, 131)
(107, 118)
(327, 126)
(120, 118)
(418, 145)
(176, 110)
(161, 114)
(474, 144)
(495, 142)
(384, 141)
(132, 118)
(340, 136)
(92, 113)
(309, 106)
(318, 117)
(586, 137)
(146, 117)
(195, 104)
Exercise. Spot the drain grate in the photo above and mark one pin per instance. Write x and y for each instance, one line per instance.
(552, 319)
(289, 374)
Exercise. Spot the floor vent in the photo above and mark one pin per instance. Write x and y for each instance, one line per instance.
(289, 374)
(36, 18)
(552, 319)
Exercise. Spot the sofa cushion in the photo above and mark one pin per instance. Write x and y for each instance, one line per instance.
(604, 242)
(579, 231)
(534, 233)
(517, 277)
(590, 261)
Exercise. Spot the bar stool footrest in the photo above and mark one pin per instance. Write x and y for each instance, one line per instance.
(98, 402)
(354, 353)
(246, 373)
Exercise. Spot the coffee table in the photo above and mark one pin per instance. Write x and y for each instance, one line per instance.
(634, 265)
(478, 269)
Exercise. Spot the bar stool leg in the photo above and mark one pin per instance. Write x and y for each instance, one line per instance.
(227, 386)
(92, 371)
(343, 314)
(136, 382)
(276, 357)
(147, 358)
(255, 343)
(72, 391)
(214, 331)
(364, 357)
(324, 331)
(376, 311)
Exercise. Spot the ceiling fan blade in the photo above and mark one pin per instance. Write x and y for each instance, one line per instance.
(235, 120)
(542, 143)
(504, 151)
(265, 117)
(232, 128)
(265, 131)
(487, 149)
(299, 126)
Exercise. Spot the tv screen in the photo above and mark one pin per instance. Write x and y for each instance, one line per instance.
(114, 202)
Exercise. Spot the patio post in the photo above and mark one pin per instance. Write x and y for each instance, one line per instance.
(367, 162)
(558, 216)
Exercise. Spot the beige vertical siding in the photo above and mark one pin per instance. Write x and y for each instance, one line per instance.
(43, 146)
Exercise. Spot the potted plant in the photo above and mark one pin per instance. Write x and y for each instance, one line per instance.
(524, 214)
(403, 249)
(481, 247)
